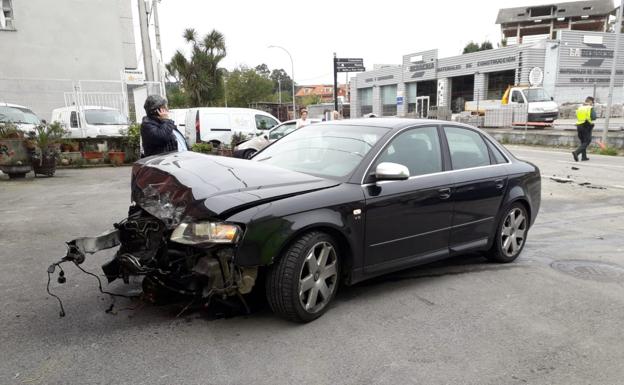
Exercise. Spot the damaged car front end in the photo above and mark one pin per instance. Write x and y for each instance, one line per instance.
(176, 234)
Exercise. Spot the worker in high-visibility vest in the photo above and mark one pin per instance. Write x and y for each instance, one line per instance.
(585, 117)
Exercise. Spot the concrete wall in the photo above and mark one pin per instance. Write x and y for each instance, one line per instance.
(63, 39)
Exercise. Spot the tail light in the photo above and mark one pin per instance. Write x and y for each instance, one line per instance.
(197, 129)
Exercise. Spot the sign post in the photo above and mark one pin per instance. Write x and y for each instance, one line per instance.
(345, 65)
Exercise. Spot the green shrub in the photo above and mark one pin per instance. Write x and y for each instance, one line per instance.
(607, 151)
(205, 148)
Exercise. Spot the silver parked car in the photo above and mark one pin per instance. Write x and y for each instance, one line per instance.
(248, 148)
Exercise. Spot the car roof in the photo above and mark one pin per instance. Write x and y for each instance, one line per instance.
(389, 123)
(5, 104)
(73, 108)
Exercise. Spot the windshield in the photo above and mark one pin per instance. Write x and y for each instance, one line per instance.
(104, 117)
(18, 115)
(282, 130)
(324, 150)
(536, 95)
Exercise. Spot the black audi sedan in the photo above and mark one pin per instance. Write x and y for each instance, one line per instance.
(329, 204)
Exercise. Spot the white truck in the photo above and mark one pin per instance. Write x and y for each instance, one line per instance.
(542, 109)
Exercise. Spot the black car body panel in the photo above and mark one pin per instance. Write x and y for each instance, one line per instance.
(378, 225)
(212, 186)
(400, 224)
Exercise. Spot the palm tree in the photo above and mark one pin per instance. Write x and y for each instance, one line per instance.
(200, 76)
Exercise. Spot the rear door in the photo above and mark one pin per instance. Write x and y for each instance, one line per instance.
(480, 179)
(408, 221)
(215, 126)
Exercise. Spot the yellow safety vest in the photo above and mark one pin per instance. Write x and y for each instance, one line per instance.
(583, 114)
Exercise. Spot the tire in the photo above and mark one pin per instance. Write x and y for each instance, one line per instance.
(511, 234)
(249, 153)
(300, 265)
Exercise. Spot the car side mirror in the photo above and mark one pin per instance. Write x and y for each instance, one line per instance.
(552, 98)
(266, 137)
(391, 171)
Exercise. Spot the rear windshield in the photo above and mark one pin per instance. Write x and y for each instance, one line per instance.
(18, 115)
(104, 117)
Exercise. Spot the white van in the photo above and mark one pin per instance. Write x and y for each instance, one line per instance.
(218, 124)
(21, 116)
(91, 121)
(178, 115)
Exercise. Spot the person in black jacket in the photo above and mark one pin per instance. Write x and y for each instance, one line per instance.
(159, 133)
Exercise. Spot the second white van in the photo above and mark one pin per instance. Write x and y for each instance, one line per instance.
(91, 121)
(217, 124)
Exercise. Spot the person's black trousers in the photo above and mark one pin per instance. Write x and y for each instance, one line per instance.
(584, 132)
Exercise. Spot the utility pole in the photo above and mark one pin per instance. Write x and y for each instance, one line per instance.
(156, 25)
(335, 85)
(618, 30)
(145, 42)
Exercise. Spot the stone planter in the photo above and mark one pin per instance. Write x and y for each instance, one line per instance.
(93, 156)
(14, 158)
(116, 157)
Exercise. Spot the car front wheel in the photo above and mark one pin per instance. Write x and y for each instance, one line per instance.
(510, 235)
(303, 282)
(249, 153)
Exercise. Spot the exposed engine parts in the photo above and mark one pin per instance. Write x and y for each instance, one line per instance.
(196, 273)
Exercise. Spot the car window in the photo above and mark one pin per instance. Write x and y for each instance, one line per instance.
(516, 97)
(417, 149)
(498, 155)
(282, 130)
(264, 122)
(467, 148)
(73, 120)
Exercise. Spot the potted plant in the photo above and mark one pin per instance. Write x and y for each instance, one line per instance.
(116, 157)
(92, 154)
(131, 142)
(14, 152)
(46, 140)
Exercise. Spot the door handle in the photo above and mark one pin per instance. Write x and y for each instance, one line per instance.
(499, 183)
(445, 193)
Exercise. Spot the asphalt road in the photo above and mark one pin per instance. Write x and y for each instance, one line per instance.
(552, 317)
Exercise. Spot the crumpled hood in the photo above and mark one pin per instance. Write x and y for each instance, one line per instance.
(189, 184)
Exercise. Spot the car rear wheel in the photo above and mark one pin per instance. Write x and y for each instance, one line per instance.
(303, 282)
(249, 153)
(511, 235)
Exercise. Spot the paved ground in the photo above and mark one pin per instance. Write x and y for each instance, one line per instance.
(460, 322)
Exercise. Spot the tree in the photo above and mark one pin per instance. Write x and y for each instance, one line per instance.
(245, 86)
(200, 77)
(474, 47)
(485, 46)
(471, 47)
(263, 70)
(281, 77)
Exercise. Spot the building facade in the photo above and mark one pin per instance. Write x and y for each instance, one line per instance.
(574, 65)
(47, 46)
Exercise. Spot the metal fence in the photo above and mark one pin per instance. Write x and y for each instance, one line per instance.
(44, 95)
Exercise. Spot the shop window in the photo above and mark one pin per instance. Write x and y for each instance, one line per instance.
(366, 101)
(6, 15)
(388, 100)
(411, 98)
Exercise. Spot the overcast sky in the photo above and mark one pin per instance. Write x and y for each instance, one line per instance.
(313, 30)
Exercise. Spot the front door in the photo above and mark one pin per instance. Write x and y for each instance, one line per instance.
(480, 183)
(409, 221)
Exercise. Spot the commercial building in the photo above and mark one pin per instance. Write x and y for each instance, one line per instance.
(47, 47)
(575, 62)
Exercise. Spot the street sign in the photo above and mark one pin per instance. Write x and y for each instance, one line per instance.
(399, 100)
(349, 65)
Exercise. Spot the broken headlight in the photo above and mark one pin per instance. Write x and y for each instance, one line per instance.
(197, 233)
